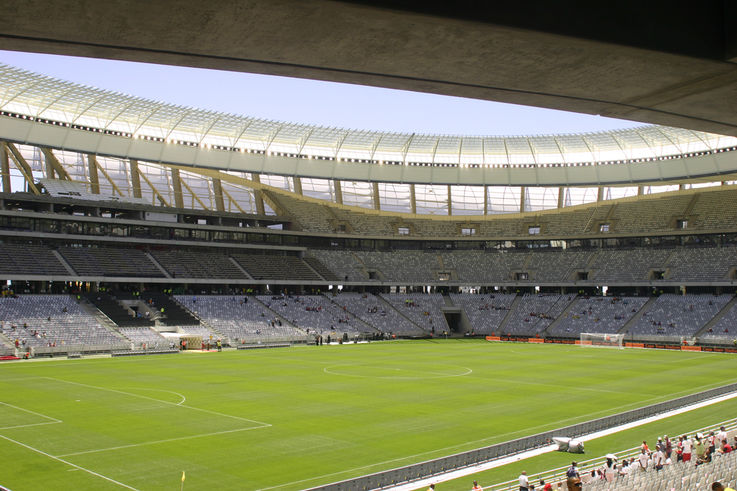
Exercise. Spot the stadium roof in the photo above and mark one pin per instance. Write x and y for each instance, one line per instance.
(45, 111)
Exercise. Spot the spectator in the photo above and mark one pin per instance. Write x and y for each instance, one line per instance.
(524, 483)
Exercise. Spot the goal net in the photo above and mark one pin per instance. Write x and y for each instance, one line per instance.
(599, 339)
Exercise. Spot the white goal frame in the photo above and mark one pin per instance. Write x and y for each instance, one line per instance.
(602, 340)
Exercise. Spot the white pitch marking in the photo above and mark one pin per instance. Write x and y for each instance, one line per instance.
(84, 452)
(69, 463)
(54, 420)
(468, 371)
(264, 425)
(162, 390)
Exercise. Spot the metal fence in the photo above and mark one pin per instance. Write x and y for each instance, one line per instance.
(451, 462)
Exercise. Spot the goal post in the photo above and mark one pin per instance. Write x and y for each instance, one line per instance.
(603, 340)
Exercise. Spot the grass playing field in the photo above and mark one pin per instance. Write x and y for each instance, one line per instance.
(298, 417)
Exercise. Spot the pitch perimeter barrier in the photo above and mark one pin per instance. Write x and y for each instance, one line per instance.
(441, 465)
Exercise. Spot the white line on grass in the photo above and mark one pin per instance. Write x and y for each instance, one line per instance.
(69, 463)
(329, 371)
(162, 390)
(155, 442)
(53, 420)
(552, 448)
(261, 423)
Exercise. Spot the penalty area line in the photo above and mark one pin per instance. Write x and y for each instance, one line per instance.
(123, 485)
(467, 471)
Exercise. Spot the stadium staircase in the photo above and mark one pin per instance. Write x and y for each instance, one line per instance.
(320, 269)
(158, 265)
(512, 308)
(6, 344)
(276, 314)
(633, 320)
(101, 318)
(562, 316)
(240, 268)
(717, 317)
(174, 313)
(63, 262)
(114, 311)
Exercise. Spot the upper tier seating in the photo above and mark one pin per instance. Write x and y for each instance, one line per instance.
(185, 263)
(271, 266)
(31, 259)
(109, 261)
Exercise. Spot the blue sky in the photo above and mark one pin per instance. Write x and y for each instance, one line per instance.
(311, 102)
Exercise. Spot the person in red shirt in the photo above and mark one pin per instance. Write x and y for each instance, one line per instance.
(726, 447)
(546, 486)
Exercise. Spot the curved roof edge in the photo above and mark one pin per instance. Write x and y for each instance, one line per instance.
(45, 111)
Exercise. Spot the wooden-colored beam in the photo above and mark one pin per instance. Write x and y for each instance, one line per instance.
(176, 185)
(194, 195)
(412, 199)
(93, 175)
(23, 167)
(258, 196)
(561, 197)
(486, 200)
(53, 165)
(5, 169)
(338, 191)
(377, 200)
(297, 185)
(135, 178)
(217, 190)
(156, 192)
(233, 202)
(104, 173)
(522, 196)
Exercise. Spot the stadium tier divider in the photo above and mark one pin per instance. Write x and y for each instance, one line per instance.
(441, 465)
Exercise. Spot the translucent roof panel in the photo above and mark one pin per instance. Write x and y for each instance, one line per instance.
(34, 95)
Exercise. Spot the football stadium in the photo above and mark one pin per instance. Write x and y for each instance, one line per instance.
(197, 299)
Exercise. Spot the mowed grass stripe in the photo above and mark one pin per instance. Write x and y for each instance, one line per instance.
(331, 426)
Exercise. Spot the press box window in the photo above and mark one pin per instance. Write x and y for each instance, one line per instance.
(403, 230)
(681, 224)
(604, 227)
(468, 231)
(533, 230)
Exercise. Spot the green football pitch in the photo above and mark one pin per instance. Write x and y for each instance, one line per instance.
(298, 417)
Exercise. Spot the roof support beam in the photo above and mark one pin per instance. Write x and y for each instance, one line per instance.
(217, 189)
(232, 201)
(176, 186)
(5, 169)
(561, 197)
(194, 195)
(55, 165)
(258, 196)
(23, 167)
(600, 193)
(338, 191)
(450, 201)
(377, 200)
(93, 176)
(486, 200)
(412, 199)
(104, 173)
(297, 185)
(640, 190)
(522, 193)
(135, 178)
(156, 192)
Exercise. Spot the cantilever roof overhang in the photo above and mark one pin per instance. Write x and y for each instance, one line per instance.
(44, 111)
